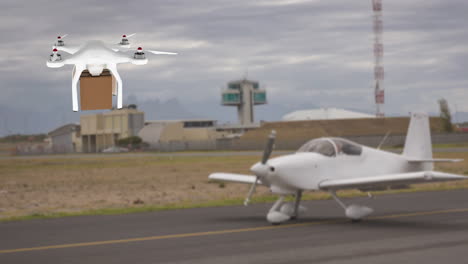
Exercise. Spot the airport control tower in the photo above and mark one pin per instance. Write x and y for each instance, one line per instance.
(244, 94)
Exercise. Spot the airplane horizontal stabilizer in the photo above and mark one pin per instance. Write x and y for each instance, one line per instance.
(433, 160)
(389, 179)
(232, 177)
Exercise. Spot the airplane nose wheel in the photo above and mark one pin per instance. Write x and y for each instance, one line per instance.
(286, 211)
(277, 217)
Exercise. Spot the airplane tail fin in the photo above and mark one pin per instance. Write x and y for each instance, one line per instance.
(418, 143)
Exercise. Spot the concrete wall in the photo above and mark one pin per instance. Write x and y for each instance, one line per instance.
(238, 144)
(65, 139)
(369, 140)
(63, 143)
(173, 136)
(151, 133)
(186, 145)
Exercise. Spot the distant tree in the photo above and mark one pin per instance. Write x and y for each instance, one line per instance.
(445, 115)
(132, 142)
(16, 138)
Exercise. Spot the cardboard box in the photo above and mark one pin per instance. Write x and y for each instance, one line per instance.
(96, 91)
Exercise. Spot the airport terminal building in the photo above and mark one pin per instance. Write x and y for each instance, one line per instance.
(100, 131)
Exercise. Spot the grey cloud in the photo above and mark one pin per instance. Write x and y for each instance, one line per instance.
(307, 53)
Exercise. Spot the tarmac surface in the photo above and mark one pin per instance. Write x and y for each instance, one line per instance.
(426, 227)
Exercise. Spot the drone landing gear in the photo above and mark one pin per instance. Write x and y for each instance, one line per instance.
(113, 69)
(75, 79)
(354, 212)
(286, 211)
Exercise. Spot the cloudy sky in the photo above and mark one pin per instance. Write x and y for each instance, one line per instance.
(306, 53)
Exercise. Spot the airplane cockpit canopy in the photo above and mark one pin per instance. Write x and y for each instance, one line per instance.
(331, 147)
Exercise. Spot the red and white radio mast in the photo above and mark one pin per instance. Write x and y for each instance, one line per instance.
(378, 58)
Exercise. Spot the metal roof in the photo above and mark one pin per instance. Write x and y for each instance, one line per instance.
(324, 114)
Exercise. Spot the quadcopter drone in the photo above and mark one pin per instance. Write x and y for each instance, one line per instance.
(95, 56)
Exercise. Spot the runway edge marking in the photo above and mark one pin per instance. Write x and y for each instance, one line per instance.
(220, 232)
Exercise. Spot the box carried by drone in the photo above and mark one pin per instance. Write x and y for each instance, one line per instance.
(96, 91)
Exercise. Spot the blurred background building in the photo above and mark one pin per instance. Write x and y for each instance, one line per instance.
(177, 135)
(100, 131)
(65, 139)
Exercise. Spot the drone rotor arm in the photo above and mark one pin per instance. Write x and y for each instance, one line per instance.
(79, 68)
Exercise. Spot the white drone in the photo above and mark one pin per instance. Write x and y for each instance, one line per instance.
(95, 56)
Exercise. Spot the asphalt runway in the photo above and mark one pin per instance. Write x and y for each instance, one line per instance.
(429, 227)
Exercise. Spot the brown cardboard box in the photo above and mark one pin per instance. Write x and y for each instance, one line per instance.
(96, 91)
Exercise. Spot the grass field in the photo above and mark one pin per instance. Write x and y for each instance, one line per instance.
(34, 188)
(6, 148)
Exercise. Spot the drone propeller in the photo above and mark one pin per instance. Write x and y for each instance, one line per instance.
(162, 52)
(124, 42)
(141, 50)
(128, 36)
(55, 56)
(60, 41)
(262, 169)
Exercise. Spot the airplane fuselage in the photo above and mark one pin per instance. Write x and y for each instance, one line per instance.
(306, 170)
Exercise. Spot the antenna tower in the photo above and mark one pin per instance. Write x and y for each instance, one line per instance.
(379, 91)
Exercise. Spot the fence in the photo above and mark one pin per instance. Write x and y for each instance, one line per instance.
(292, 144)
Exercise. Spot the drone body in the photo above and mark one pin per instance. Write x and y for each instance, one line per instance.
(95, 56)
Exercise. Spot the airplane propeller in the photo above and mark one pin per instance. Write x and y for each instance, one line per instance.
(262, 169)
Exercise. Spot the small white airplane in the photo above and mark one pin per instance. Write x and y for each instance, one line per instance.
(95, 56)
(331, 164)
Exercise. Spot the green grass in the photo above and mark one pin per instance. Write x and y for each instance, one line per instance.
(229, 202)
(125, 179)
(106, 162)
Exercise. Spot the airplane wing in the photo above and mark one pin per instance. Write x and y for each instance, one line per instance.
(232, 177)
(390, 179)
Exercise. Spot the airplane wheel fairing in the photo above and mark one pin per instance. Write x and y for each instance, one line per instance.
(357, 212)
(275, 217)
(288, 209)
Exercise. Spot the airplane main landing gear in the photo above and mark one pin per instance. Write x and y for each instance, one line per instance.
(286, 211)
(354, 211)
(293, 210)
